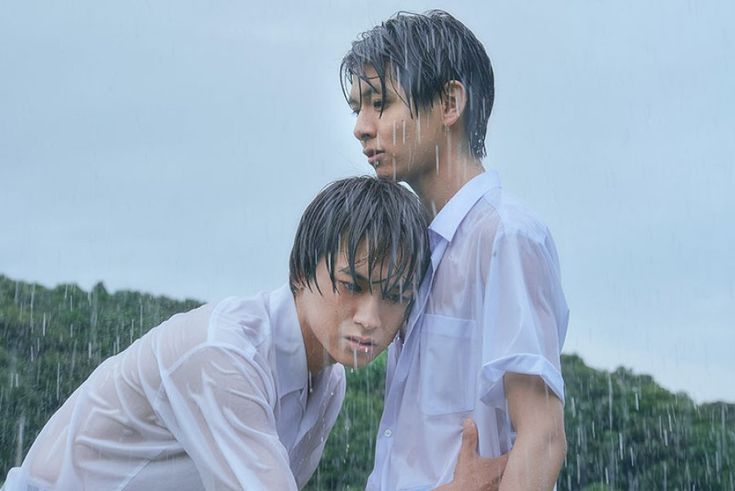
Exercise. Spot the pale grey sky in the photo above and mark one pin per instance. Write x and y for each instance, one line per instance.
(170, 147)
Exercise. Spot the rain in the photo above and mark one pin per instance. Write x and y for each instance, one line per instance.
(157, 156)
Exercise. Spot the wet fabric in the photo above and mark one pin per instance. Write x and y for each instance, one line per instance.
(492, 303)
(215, 398)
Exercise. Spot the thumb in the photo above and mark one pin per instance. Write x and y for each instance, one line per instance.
(469, 437)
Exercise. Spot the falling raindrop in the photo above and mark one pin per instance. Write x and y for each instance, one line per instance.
(436, 154)
(19, 445)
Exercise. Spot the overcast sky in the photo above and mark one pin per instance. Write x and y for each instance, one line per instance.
(170, 147)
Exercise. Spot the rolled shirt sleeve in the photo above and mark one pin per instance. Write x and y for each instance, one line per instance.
(524, 314)
(218, 405)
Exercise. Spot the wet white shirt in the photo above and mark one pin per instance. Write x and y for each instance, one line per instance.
(216, 398)
(492, 304)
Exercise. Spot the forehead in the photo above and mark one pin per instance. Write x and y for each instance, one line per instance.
(379, 272)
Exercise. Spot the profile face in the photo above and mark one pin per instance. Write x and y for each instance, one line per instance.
(399, 144)
(353, 323)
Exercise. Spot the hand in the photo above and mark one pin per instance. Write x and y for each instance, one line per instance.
(473, 472)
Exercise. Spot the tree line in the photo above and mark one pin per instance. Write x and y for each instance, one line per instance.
(623, 430)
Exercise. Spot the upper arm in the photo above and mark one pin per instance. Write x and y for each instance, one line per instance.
(533, 408)
(218, 404)
(524, 313)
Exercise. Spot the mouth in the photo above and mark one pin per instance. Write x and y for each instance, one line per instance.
(374, 156)
(360, 344)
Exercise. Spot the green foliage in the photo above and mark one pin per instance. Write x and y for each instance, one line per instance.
(623, 430)
(52, 340)
(348, 456)
(626, 432)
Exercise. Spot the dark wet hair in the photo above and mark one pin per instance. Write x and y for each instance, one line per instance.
(383, 215)
(422, 52)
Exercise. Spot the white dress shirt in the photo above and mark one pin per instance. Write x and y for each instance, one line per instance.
(492, 303)
(216, 398)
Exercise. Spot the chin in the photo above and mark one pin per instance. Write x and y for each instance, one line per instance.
(386, 171)
(357, 359)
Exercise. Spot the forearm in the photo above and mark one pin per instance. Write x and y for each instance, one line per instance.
(535, 461)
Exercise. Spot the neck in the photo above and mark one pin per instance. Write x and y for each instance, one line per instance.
(316, 356)
(436, 186)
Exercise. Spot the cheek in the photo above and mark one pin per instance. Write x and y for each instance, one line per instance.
(393, 322)
(397, 132)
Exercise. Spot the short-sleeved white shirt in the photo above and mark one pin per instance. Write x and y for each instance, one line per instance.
(215, 398)
(492, 303)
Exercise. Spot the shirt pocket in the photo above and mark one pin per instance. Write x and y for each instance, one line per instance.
(447, 365)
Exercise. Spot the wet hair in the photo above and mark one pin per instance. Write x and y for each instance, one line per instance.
(422, 52)
(362, 215)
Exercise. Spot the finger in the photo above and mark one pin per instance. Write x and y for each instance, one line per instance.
(469, 437)
(495, 467)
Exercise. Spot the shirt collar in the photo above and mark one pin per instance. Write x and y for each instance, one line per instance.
(447, 221)
(292, 372)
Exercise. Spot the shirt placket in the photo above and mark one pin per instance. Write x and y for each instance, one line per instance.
(398, 383)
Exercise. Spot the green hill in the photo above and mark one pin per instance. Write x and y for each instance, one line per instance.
(623, 430)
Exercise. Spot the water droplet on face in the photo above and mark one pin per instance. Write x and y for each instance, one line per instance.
(436, 154)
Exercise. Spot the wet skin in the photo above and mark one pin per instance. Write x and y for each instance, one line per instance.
(352, 323)
(400, 143)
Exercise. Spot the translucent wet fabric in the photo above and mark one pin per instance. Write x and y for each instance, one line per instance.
(491, 304)
(215, 398)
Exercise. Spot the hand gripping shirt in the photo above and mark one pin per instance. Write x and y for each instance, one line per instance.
(216, 399)
(492, 303)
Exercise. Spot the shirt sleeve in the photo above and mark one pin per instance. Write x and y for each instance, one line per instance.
(524, 314)
(217, 404)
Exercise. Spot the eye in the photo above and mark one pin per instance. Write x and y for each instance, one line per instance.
(397, 298)
(349, 286)
(393, 298)
(378, 104)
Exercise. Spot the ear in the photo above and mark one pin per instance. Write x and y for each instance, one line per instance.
(454, 101)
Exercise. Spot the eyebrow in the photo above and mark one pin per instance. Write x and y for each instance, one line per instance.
(365, 93)
(358, 276)
(361, 278)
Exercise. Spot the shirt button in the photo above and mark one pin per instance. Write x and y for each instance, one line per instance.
(387, 433)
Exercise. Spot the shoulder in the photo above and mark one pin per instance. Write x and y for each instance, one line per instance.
(233, 336)
(236, 325)
(516, 218)
(240, 320)
(498, 218)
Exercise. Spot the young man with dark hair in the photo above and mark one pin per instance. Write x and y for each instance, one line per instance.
(242, 394)
(485, 338)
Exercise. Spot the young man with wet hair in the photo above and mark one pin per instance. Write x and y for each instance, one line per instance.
(242, 394)
(483, 344)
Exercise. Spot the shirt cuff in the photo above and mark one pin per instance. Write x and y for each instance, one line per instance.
(491, 376)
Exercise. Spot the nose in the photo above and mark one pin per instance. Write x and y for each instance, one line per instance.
(367, 313)
(364, 126)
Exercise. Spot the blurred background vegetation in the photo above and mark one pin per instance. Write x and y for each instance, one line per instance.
(624, 431)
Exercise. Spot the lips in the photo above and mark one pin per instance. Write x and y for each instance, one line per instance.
(374, 156)
(359, 343)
